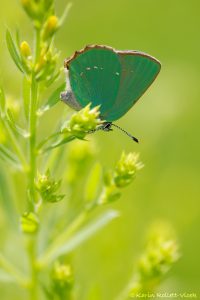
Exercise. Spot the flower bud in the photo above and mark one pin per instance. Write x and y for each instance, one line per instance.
(25, 49)
(160, 254)
(31, 8)
(126, 169)
(47, 187)
(62, 276)
(50, 27)
(29, 222)
(158, 258)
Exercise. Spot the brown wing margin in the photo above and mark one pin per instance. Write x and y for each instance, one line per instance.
(121, 52)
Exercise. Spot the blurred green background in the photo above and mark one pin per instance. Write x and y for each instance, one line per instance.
(166, 120)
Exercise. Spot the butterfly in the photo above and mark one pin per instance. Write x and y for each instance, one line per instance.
(111, 78)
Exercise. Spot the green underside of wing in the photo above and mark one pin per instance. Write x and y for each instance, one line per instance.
(138, 73)
(93, 78)
(113, 81)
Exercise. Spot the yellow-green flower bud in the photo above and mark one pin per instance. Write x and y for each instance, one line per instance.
(50, 27)
(160, 254)
(25, 49)
(47, 187)
(158, 258)
(126, 169)
(29, 222)
(84, 121)
(62, 276)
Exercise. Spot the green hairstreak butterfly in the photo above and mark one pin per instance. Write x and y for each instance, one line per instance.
(113, 79)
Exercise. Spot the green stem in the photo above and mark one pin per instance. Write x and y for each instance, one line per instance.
(32, 119)
(33, 267)
(46, 140)
(32, 140)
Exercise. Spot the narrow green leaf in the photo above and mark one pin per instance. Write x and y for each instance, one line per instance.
(93, 183)
(26, 96)
(14, 126)
(7, 156)
(53, 78)
(53, 99)
(17, 35)
(49, 138)
(65, 13)
(79, 237)
(2, 102)
(13, 51)
(59, 143)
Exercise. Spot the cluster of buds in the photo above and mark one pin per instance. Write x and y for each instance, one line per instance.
(62, 275)
(62, 280)
(37, 10)
(161, 253)
(45, 68)
(126, 169)
(84, 121)
(46, 24)
(124, 173)
(48, 187)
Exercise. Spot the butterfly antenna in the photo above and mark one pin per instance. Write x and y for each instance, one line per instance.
(130, 135)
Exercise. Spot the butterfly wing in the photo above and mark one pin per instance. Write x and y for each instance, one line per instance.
(138, 71)
(115, 80)
(94, 77)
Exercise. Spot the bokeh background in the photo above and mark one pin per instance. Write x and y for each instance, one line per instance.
(166, 120)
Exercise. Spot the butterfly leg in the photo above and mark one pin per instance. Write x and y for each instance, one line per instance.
(106, 126)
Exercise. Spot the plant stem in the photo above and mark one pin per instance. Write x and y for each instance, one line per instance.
(32, 140)
(33, 105)
(33, 267)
